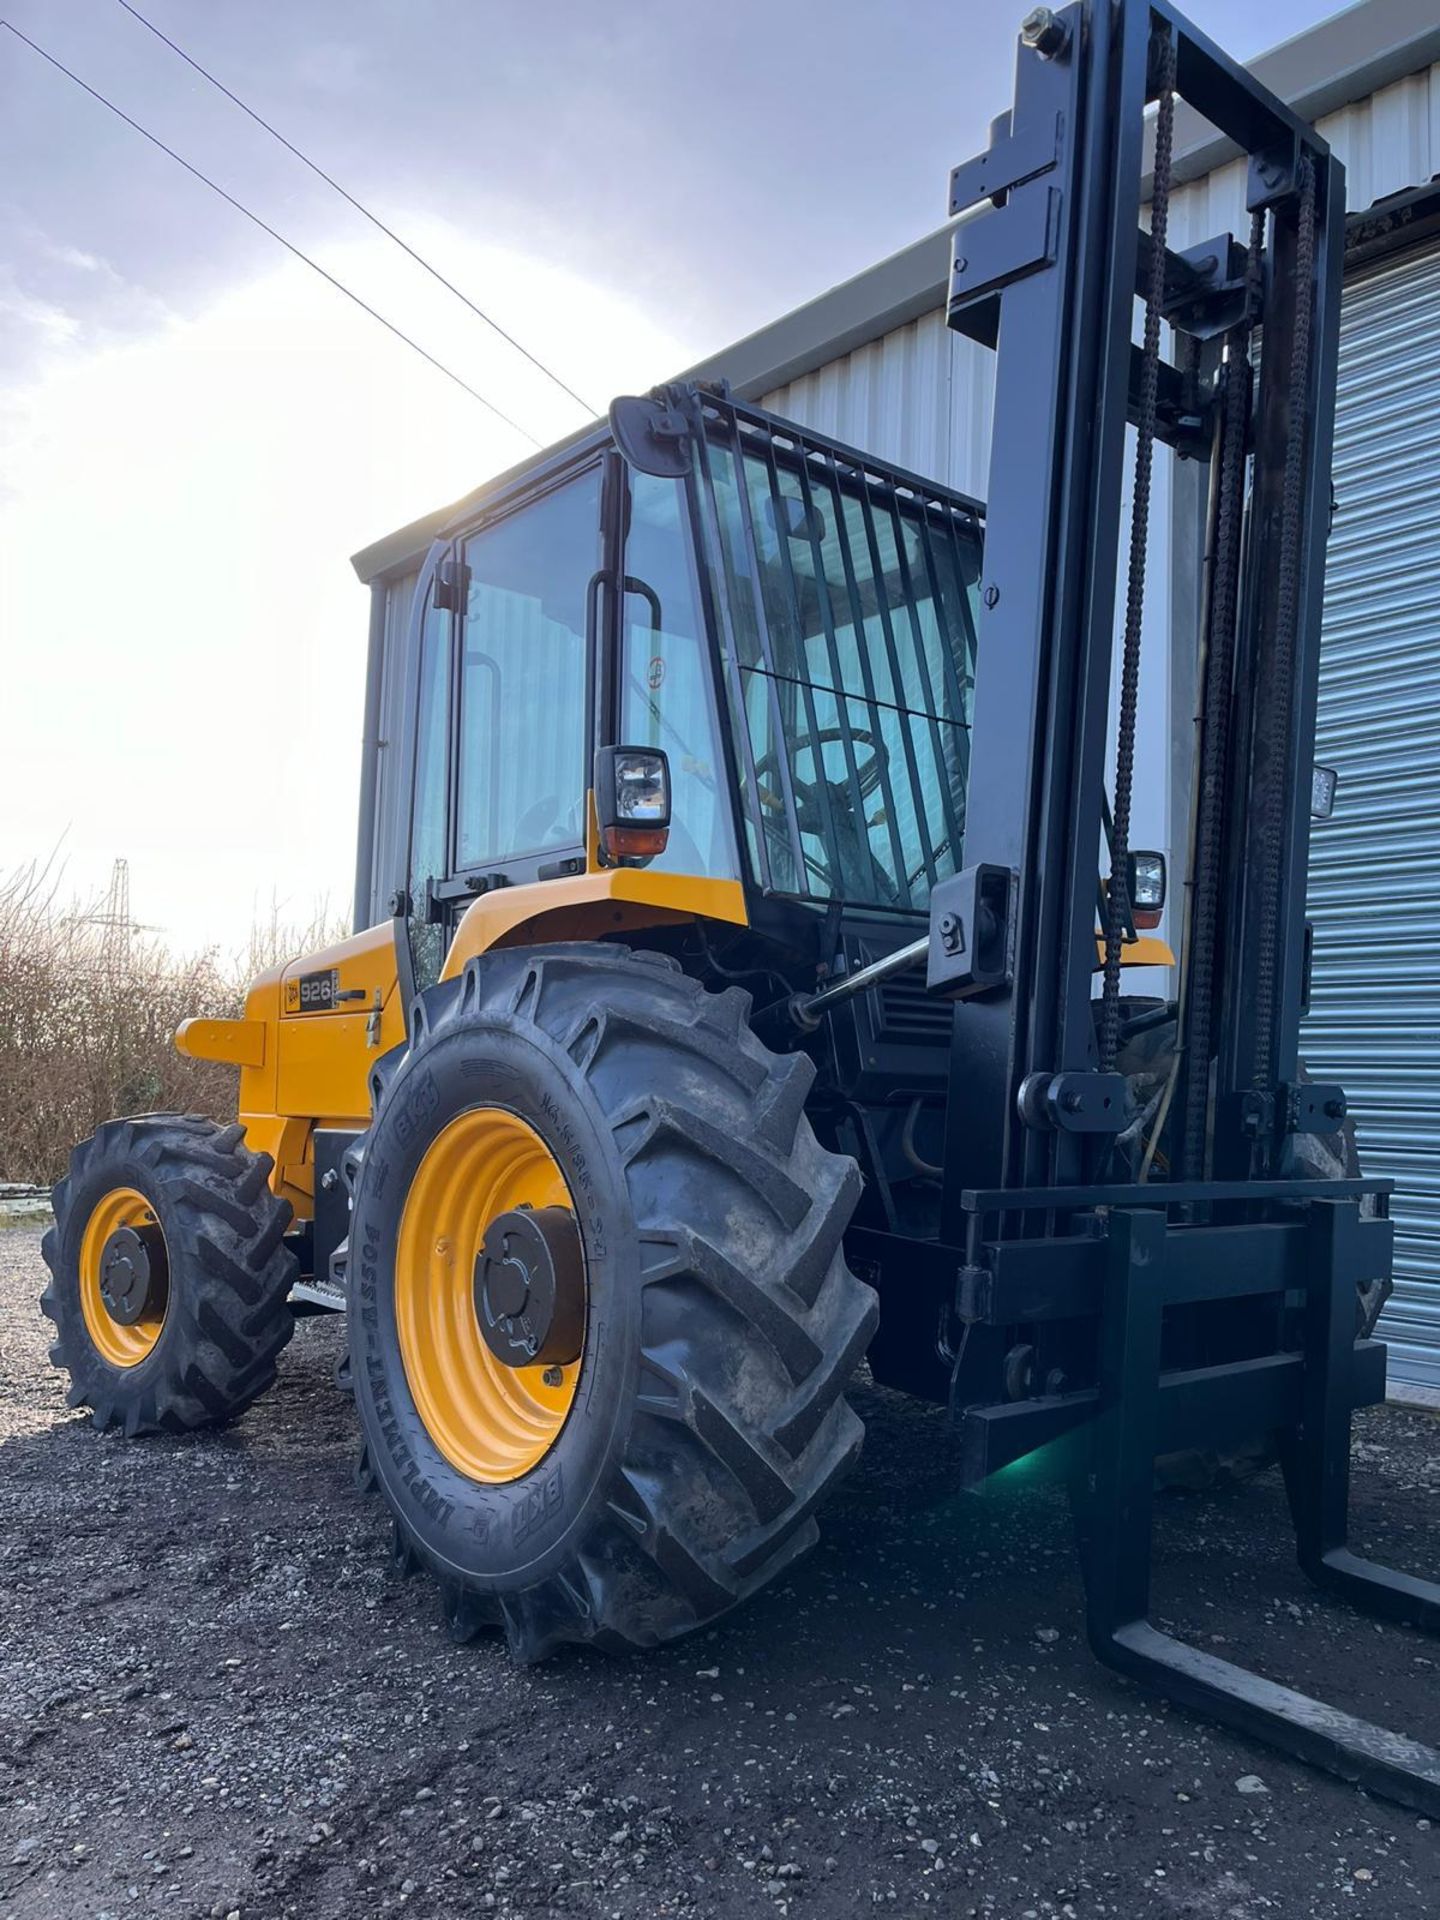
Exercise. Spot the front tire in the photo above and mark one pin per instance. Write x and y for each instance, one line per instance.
(702, 1423)
(169, 1276)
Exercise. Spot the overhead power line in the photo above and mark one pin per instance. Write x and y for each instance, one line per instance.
(359, 207)
(254, 218)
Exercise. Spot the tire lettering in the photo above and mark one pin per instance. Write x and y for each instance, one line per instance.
(432, 1502)
(583, 1178)
(539, 1503)
(368, 1290)
(419, 1103)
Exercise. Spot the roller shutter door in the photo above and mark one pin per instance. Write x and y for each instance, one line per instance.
(1374, 892)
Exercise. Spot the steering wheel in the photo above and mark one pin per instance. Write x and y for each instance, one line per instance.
(810, 815)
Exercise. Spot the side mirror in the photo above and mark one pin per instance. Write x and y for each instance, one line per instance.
(632, 804)
(653, 437)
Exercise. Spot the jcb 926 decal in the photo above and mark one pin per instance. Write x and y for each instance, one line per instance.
(312, 992)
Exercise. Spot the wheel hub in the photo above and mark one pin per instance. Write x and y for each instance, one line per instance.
(476, 1337)
(132, 1273)
(530, 1287)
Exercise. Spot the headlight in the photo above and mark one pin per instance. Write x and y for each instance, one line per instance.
(632, 803)
(642, 789)
(1147, 888)
(1147, 881)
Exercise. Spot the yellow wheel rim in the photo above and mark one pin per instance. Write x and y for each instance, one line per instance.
(492, 1422)
(120, 1345)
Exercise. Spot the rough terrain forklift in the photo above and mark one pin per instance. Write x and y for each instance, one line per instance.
(752, 1000)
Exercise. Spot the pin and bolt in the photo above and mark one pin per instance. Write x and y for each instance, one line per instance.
(1043, 33)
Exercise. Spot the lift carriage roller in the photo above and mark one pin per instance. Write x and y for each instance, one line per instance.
(578, 1138)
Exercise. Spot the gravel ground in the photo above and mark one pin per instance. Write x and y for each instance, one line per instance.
(216, 1698)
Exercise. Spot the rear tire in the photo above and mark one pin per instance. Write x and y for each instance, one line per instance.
(223, 1315)
(722, 1323)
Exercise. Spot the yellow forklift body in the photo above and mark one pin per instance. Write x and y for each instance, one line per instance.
(305, 1055)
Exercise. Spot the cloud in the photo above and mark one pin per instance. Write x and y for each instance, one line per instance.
(42, 318)
(75, 257)
(57, 299)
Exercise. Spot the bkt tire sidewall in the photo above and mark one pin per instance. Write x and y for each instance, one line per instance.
(511, 1535)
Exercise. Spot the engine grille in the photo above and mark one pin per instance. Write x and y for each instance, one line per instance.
(907, 1014)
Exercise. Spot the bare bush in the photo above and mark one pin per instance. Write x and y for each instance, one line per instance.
(275, 940)
(88, 1017)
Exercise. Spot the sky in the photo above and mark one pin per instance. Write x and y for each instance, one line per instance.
(196, 432)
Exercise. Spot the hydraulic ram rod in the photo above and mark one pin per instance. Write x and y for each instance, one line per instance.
(806, 1008)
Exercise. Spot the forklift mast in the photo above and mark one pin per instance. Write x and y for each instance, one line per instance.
(1220, 1238)
(1051, 277)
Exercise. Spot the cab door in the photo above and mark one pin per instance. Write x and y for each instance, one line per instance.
(503, 715)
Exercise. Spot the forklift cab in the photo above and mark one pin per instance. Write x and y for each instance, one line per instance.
(790, 622)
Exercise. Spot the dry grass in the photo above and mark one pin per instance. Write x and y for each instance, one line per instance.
(87, 1022)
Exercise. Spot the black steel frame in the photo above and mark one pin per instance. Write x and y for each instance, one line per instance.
(1113, 1505)
(1050, 1241)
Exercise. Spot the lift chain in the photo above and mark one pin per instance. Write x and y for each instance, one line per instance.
(1117, 916)
(1213, 772)
(1286, 613)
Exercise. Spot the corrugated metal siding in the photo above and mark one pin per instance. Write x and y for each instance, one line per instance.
(919, 397)
(1375, 867)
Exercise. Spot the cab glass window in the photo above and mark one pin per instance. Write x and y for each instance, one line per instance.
(851, 655)
(522, 735)
(667, 696)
